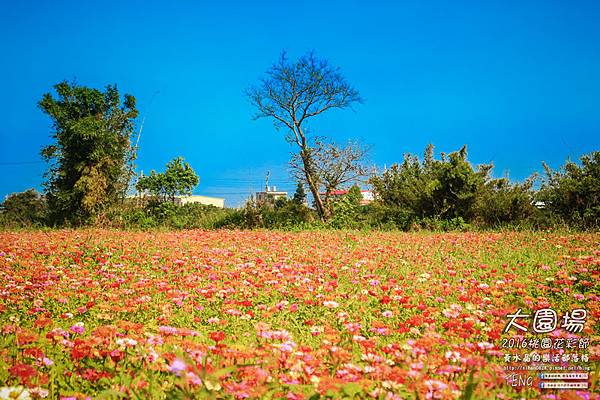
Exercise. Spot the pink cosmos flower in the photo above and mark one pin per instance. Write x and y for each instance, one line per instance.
(194, 379)
(177, 367)
(78, 328)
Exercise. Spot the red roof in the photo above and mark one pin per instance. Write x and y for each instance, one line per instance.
(338, 192)
(341, 192)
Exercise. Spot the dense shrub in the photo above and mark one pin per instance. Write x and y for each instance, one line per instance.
(573, 192)
(500, 203)
(438, 189)
(25, 209)
(449, 194)
(155, 214)
(385, 217)
(281, 214)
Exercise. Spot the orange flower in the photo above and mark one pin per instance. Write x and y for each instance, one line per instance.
(25, 337)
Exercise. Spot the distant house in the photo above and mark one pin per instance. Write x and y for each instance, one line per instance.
(270, 195)
(196, 199)
(367, 195)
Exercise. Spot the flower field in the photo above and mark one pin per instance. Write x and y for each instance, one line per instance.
(254, 314)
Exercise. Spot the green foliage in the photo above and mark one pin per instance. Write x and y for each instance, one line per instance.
(299, 194)
(177, 180)
(198, 216)
(456, 185)
(448, 194)
(158, 214)
(354, 195)
(500, 203)
(346, 210)
(467, 394)
(388, 217)
(91, 154)
(23, 209)
(408, 186)
(573, 192)
(154, 184)
(444, 225)
(284, 214)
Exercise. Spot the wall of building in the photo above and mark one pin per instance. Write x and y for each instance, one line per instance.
(209, 201)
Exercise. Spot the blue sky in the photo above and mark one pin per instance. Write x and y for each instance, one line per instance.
(517, 81)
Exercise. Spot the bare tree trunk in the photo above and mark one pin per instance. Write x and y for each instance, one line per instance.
(321, 209)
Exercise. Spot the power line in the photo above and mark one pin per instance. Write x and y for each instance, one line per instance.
(21, 162)
(224, 194)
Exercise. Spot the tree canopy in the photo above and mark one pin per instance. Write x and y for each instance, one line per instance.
(90, 155)
(23, 209)
(178, 179)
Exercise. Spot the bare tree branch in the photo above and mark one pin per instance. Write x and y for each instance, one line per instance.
(293, 92)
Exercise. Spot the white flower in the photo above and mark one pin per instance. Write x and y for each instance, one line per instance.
(126, 342)
(14, 393)
(331, 304)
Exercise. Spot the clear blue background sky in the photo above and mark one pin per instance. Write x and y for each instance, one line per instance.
(518, 81)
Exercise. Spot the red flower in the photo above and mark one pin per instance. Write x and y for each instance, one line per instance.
(93, 375)
(34, 352)
(23, 371)
(217, 336)
(42, 322)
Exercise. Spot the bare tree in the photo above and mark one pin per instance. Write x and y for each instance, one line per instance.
(292, 93)
(333, 166)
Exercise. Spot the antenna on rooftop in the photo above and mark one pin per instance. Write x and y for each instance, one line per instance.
(267, 181)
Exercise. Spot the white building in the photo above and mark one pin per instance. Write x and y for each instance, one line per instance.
(197, 199)
(270, 195)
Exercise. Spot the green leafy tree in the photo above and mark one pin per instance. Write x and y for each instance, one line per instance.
(457, 185)
(154, 184)
(443, 189)
(573, 192)
(354, 195)
(501, 202)
(91, 154)
(179, 179)
(407, 186)
(299, 194)
(23, 209)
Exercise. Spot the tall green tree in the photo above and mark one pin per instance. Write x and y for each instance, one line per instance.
(354, 195)
(299, 194)
(178, 179)
(457, 185)
(91, 154)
